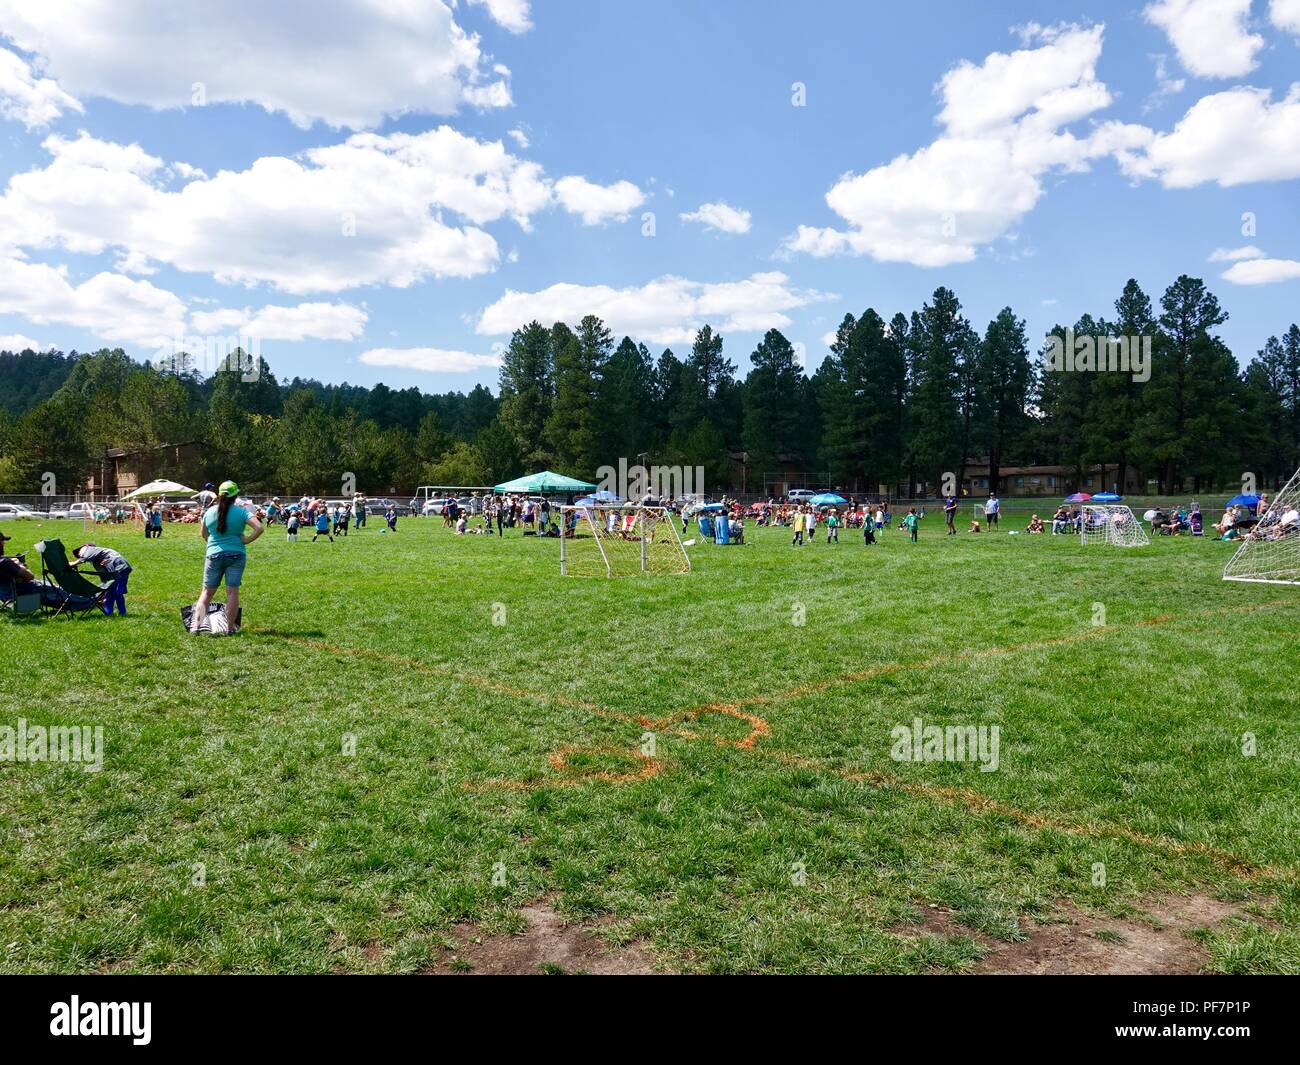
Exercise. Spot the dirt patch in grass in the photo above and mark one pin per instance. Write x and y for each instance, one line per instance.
(548, 945)
(1081, 944)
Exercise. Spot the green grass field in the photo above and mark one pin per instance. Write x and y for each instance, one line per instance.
(771, 831)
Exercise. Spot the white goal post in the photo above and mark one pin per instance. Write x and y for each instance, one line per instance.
(1270, 552)
(1110, 523)
(604, 540)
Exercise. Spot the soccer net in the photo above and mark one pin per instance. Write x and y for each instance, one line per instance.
(126, 514)
(1111, 523)
(1270, 552)
(614, 541)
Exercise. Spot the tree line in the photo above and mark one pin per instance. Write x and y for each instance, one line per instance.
(895, 403)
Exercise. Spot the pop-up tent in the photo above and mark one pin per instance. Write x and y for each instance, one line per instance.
(155, 489)
(545, 483)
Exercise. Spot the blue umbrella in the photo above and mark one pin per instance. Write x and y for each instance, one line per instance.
(1106, 497)
(828, 499)
(1246, 499)
(599, 497)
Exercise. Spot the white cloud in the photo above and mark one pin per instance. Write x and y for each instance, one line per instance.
(520, 138)
(1232, 255)
(432, 360)
(1285, 15)
(1003, 133)
(18, 342)
(1165, 85)
(667, 310)
(109, 305)
(512, 14)
(369, 210)
(25, 98)
(306, 321)
(1210, 36)
(1232, 137)
(345, 62)
(1262, 271)
(720, 216)
(598, 203)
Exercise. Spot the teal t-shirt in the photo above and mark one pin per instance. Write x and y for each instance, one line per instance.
(230, 539)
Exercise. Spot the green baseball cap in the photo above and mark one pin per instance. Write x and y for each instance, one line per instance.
(228, 488)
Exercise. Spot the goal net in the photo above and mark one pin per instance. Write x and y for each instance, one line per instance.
(614, 541)
(126, 514)
(1111, 523)
(1270, 552)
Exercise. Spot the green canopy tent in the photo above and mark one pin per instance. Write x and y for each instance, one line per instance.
(545, 483)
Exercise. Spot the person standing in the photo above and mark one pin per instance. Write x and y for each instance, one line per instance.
(950, 514)
(359, 510)
(991, 509)
(797, 539)
(910, 523)
(228, 530)
(322, 526)
(291, 527)
(833, 527)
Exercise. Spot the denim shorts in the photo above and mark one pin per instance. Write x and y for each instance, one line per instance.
(228, 564)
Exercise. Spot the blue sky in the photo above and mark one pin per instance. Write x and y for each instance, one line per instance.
(496, 160)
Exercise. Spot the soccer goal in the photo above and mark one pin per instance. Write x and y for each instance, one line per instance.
(1111, 523)
(1270, 552)
(613, 541)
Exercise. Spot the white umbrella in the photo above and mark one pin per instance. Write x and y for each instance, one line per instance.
(159, 488)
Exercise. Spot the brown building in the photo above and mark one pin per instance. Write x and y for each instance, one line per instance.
(1051, 480)
(121, 471)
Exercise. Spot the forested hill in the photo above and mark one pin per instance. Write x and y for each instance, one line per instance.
(30, 377)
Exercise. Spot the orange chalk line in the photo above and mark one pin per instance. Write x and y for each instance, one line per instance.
(650, 766)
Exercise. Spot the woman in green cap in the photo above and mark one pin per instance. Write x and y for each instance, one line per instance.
(229, 529)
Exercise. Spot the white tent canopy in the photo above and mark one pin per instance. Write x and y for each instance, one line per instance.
(159, 488)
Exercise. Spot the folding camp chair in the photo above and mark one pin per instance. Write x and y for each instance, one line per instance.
(84, 594)
(20, 606)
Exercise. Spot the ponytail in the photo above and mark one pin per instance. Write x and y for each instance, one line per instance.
(223, 509)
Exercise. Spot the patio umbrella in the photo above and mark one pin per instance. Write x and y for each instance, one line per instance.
(159, 488)
(1246, 499)
(1106, 497)
(828, 499)
(1078, 497)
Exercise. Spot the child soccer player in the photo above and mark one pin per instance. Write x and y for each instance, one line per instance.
(910, 522)
(798, 528)
(322, 526)
(390, 516)
(291, 526)
(868, 532)
(833, 527)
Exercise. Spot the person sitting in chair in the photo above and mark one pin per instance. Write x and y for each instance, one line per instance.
(14, 573)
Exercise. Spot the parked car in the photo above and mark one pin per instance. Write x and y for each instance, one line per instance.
(58, 511)
(81, 511)
(12, 511)
(434, 507)
(799, 495)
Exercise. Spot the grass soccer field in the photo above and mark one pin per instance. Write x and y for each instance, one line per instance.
(417, 734)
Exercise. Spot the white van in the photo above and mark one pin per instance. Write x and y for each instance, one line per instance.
(799, 495)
